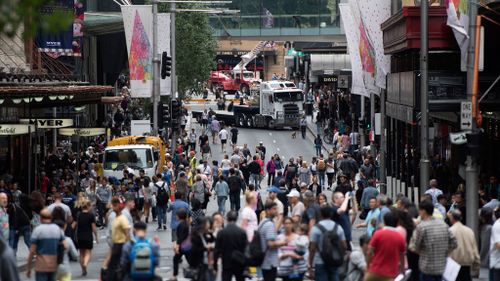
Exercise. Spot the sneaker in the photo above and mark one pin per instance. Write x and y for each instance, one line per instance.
(164, 227)
(147, 220)
(84, 271)
(159, 228)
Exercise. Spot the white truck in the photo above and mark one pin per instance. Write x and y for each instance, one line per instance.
(280, 104)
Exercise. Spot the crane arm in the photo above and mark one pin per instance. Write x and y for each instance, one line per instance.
(248, 57)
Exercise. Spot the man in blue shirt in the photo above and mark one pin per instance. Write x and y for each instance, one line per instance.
(176, 205)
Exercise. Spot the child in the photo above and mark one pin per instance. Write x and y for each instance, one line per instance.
(301, 244)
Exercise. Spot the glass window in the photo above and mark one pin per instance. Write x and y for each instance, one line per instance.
(137, 158)
(288, 96)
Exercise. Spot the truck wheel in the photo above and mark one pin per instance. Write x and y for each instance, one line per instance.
(245, 89)
(271, 124)
(250, 121)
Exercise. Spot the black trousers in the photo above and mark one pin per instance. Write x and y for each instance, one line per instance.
(464, 274)
(114, 263)
(270, 274)
(177, 261)
(227, 274)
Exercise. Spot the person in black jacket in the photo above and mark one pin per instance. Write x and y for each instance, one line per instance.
(230, 246)
(182, 233)
(235, 183)
(19, 222)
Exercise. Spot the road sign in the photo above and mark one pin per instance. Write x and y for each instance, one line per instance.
(466, 115)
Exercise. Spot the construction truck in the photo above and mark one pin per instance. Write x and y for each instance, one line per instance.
(134, 153)
(278, 104)
(239, 78)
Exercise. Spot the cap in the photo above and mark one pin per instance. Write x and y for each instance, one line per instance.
(303, 184)
(260, 142)
(293, 193)
(273, 189)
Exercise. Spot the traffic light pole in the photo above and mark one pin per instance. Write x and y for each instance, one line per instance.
(156, 69)
(424, 98)
(471, 170)
(173, 68)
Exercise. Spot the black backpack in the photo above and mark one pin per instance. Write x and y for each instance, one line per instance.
(254, 253)
(234, 184)
(162, 197)
(331, 251)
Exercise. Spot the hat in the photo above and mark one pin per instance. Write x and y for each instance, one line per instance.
(260, 142)
(273, 189)
(293, 193)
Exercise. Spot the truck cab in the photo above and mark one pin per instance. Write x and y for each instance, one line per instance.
(282, 103)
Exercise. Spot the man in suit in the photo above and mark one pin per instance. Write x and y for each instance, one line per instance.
(230, 246)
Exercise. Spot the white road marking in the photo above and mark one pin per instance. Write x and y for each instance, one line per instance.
(277, 149)
(274, 141)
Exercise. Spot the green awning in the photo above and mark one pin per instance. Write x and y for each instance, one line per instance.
(100, 23)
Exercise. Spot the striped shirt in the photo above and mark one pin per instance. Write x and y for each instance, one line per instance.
(267, 233)
(46, 237)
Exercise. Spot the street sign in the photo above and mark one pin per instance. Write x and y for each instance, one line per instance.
(343, 82)
(48, 123)
(458, 138)
(466, 115)
(82, 132)
(16, 129)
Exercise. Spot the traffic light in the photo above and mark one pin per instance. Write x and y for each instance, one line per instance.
(163, 115)
(175, 106)
(166, 64)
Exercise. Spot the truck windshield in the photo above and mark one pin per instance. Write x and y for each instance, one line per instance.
(288, 96)
(248, 75)
(135, 158)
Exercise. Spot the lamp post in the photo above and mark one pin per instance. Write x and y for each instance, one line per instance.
(424, 98)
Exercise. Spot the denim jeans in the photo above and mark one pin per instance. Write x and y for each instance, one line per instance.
(255, 179)
(45, 276)
(225, 173)
(25, 231)
(221, 202)
(234, 199)
(318, 149)
(426, 277)
(325, 273)
(162, 215)
(321, 177)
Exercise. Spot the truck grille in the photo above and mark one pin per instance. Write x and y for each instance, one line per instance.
(291, 111)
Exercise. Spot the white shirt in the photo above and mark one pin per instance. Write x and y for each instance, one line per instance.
(494, 252)
(223, 134)
(434, 193)
(249, 214)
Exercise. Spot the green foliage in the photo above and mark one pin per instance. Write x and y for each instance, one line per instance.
(15, 13)
(195, 48)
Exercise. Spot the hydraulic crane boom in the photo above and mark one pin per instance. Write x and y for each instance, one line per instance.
(248, 57)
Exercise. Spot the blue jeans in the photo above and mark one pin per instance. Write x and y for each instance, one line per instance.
(426, 277)
(321, 177)
(255, 179)
(221, 202)
(225, 173)
(162, 215)
(325, 273)
(25, 231)
(45, 276)
(318, 149)
(234, 199)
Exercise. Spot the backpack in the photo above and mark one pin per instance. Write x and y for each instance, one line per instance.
(321, 166)
(234, 184)
(162, 196)
(142, 260)
(331, 251)
(254, 253)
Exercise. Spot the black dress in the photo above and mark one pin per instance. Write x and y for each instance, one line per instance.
(84, 239)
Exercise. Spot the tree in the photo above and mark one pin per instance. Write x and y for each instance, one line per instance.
(14, 13)
(195, 50)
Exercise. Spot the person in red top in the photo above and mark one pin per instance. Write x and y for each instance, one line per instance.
(44, 183)
(386, 257)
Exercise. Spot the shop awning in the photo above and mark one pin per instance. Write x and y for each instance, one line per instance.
(102, 23)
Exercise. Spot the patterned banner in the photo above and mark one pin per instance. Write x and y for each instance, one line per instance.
(138, 25)
(373, 14)
(458, 20)
(352, 35)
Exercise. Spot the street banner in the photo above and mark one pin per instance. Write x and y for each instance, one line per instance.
(352, 35)
(16, 129)
(458, 20)
(60, 43)
(82, 132)
(138, 25)
(48, 123)
(373, 14)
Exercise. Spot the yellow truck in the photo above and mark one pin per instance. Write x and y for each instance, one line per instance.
(134, 153)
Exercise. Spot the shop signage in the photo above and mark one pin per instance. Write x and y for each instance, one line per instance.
(48, 123)
(343, 82)
(15, 129)
(328, 79)
(83, 132)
